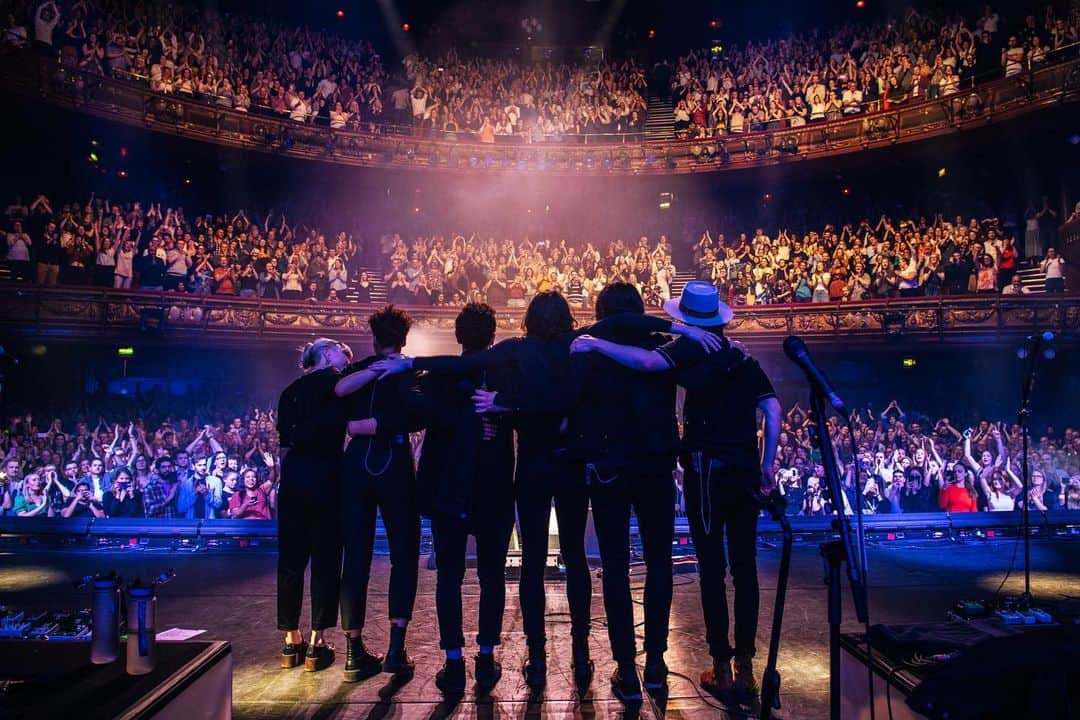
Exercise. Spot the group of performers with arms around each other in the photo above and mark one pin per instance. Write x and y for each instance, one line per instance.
(595, 415)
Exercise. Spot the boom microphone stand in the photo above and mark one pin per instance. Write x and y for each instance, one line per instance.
(848, 548)
(1033, 349)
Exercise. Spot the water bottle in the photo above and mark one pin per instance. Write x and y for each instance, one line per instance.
(141, 628)
(105, 630)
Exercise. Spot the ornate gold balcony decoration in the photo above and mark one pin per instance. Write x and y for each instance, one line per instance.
(107, 314)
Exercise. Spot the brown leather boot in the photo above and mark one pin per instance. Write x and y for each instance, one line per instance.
(744, 676)
(717, 679)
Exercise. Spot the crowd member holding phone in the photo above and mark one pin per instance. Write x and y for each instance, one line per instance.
(123, 498)
(251, 502)
(82, 503)
(199, 496)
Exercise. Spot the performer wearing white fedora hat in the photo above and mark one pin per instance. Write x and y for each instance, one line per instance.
(720, 455)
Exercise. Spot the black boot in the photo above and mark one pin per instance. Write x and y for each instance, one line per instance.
(397, 660)
(292, 654)
(487, 674)
(451, 679)
(624, 683)
(319, 657)
(359, 663)
(535, 670)
(656, 673)
(582, 664)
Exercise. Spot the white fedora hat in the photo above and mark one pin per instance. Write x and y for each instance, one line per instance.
(700, 305)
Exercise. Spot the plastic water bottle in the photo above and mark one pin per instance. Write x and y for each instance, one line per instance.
(142, 629)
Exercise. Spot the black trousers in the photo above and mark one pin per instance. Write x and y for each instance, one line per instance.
(651, 494)
(543, 479)
(309, 484)
(491, 526)
(392, 494)
(721, 504)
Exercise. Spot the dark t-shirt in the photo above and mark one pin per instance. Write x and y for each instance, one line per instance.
(311, 417)
(723, 390)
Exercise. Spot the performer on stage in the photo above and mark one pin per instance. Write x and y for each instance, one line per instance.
(466, 478)
(719, 453)
(541, 365)
(379, 475)
(311, 425)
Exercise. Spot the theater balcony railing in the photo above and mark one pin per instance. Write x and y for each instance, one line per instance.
(133, 103)
(74, 313)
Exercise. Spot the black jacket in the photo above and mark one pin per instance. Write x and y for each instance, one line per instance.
(311, 418)
(462, 474)
(619, 419)
(539, 389)
(393, 404)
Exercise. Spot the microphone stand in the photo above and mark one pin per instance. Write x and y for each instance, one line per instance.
(846, 549)
(776, 505)
(1022, 420)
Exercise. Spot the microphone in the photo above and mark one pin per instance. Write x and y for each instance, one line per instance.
(797, 352)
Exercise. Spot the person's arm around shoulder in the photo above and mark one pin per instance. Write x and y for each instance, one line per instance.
(770, 407)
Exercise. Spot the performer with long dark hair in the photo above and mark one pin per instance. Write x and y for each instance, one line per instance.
(541, 364)
(311, 425)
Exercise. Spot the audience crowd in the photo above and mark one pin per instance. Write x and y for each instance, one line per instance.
(145, 246)
(819, 76)
(159, 457)
(154, 457)
(912, 463)
(261, 65)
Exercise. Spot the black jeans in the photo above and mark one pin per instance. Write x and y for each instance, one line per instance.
(392, 494)
(723, 503)
(492, 527)
(651, 494)
(541, 480)
(309, 485)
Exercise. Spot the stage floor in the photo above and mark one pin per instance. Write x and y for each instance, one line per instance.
(230, 594)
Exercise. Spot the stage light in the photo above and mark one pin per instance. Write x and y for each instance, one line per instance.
(405, 27)
(767, 197)
(340, 13)
(121, 173)
(941, 172)
(92, 157)
(860, 4)
(652, 34)
(126, 351)
(666, 199)
(1074, 139)
(845, 192)
(909, 362)
(714, 24)
(416, 209)
(187, 181)
(716, 50)
(123, 152)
